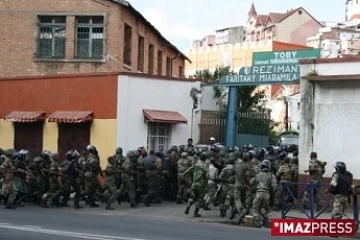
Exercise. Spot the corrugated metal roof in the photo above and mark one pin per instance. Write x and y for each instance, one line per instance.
(71, 116)
(163, 116)
(25, 116)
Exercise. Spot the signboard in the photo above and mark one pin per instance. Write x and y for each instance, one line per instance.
(271, 68)
(284, 57)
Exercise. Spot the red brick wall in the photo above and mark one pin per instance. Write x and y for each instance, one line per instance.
(61, 93)
(18, 38)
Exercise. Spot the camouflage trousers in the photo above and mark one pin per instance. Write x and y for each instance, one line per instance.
(339, 206)
(239, 197)
(259, 208)
(128, 186)
(197, 194)
(54, 187)
(287, 195)
(229, 198)
(91, 181)
(183, 185)
(249, 197)
(307, 195)
(9, 190)
(212, 188)
(110, 192)
(224, 190)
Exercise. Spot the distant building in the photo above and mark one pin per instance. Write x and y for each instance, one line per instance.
(230, 35)
(334, 40)
(293, 26)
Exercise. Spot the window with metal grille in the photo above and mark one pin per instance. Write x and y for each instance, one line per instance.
(51, 41)
(158, 137)
(141, 52)
(89, 37)
(160, 63)
(151, 59)
(127, 44)
(168, 67)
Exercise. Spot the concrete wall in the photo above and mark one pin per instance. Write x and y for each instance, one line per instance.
(297, 28)
(330, 111)
(137, 93)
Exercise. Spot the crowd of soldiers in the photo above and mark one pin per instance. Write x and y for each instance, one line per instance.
(243, 182)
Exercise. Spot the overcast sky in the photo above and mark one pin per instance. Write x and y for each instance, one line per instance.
(182, 21)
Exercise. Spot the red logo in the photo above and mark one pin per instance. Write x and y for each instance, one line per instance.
(313, 227)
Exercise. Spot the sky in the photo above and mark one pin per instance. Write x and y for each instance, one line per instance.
(182, 21)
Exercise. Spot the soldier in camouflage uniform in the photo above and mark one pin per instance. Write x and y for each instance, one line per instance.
(250, 189)
(184, 182)
(285, 174)
(240, 186)
(119, 160)
(55, 183)
(316, 170)
(227, 177)
(2, 159)
(91, 176)
(110, 191)
(8, 188)
(83, 164)
(265, 182)
(20, 175)
(128, 178)
(213, 178)
(198, 189)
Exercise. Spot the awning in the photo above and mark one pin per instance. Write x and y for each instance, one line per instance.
(25, 116)
(163, 116)
(71, 116)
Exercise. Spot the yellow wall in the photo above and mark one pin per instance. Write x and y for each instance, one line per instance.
(103, 136)
(7, 134)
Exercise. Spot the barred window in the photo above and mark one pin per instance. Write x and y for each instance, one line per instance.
(89, 37)
(158, 137)
(51, 42)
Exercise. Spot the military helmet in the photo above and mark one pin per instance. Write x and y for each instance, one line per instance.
(136, 153)
(184, 155)
(119, 150)
(254, 161)
(72, 155)
(265, 165)
(9, 152)
(23, 152)
(55, 156)
(340, 167)
(38, 159)
(130, 154)
(91, 149)
(173, 148)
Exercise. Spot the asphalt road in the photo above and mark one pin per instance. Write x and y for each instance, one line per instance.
(67, 224)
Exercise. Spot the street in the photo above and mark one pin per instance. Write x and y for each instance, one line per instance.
(65, 223)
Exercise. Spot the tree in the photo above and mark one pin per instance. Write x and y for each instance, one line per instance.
(247, 99)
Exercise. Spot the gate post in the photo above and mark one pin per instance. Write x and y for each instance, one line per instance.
(231, 126)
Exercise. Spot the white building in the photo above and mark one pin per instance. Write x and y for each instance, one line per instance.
(330, 112)
(294, 111)
(158, 113)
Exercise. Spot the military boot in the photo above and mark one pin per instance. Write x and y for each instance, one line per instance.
(196, 213)
(241, 218)
(178, 201)
(108, 207)
(187, 210)
(206, 207)
(223, 212)
(233, 213)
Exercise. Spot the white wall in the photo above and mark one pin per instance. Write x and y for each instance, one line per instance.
(294, 111)
(208, 101)
(136, 94)
(336, 112)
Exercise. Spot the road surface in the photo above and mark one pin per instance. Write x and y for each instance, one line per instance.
(68, 224)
